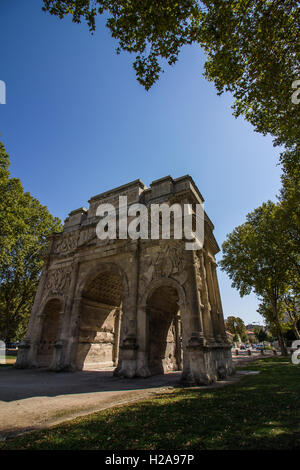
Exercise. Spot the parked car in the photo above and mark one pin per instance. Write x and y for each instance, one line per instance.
(259, 346)
(12, 345)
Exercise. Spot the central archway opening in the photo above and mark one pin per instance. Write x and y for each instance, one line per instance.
(164, 331)
(101, 312)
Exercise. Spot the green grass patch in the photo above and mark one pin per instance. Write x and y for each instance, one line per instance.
(10, 360)
(259, 412)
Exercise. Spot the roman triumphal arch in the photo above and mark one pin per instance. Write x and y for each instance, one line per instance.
(143, 306)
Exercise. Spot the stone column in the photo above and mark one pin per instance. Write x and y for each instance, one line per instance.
(212, 298)
(128, 357)
(222, 353)
(197, 333)
(143, 341)
(128, 349)
(57, 360)
(34, 342)
(178, 334)
(65, 342)
(185, 332)
(195, 370)
(207, 315)
(219, 302)
(117, 315)
(74, 328)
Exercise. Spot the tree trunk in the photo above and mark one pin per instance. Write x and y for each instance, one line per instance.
(296, 331)
(279, 331)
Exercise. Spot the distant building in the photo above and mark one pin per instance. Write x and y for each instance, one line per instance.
(251, 326)
(251, 335)
(229, 336)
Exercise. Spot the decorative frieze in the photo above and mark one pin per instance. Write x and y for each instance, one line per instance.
(165, 261)
(58, 280)
(66, 243)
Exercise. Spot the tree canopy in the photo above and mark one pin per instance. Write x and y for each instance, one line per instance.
(260, 256)
(236, 326)
(251, 47)
(24, 226)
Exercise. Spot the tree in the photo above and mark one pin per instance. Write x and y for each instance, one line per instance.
(236, 326)
(257, 258)
(262, 336)
(288, 312)
(289, 198)
(235, 339)
(251, 48)
(256, 331)
(24, 226)
(291, 308)
(290, 335)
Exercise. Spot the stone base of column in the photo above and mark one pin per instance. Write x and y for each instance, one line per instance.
(206, 363)
(26, 357)
(23, 361)
(58, 364)
(64, 358)
(128, 362)
(142, 365)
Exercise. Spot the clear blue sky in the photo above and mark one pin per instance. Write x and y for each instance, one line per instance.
(77, 123)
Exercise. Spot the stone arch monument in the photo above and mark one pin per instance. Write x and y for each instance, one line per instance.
(142, 306)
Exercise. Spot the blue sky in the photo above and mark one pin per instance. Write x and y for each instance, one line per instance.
(77, 123)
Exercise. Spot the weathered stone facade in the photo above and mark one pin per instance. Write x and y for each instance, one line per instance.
(143, 306)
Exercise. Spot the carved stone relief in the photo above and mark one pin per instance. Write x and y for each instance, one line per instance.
(58, 280)
(66, 243)
(167, 262)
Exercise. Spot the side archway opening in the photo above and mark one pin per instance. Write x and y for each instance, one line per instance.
(49, 332)
(164, 331)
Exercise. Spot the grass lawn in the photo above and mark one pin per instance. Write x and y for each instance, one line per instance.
(260, 412)
(10, 360)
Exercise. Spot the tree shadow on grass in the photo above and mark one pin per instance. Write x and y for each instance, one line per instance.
(260, 412)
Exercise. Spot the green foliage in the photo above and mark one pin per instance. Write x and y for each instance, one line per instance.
(290, 334)
(235, 338)
(24, 226)
(259, 256)
(262, 336)
(150, 30)
(236, 326)
(256, 254)
(290, 209)
(253, 52)
(288, 314)
(251, 48)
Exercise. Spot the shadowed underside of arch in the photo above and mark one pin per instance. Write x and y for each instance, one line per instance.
(49, 332)
(164, 331)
